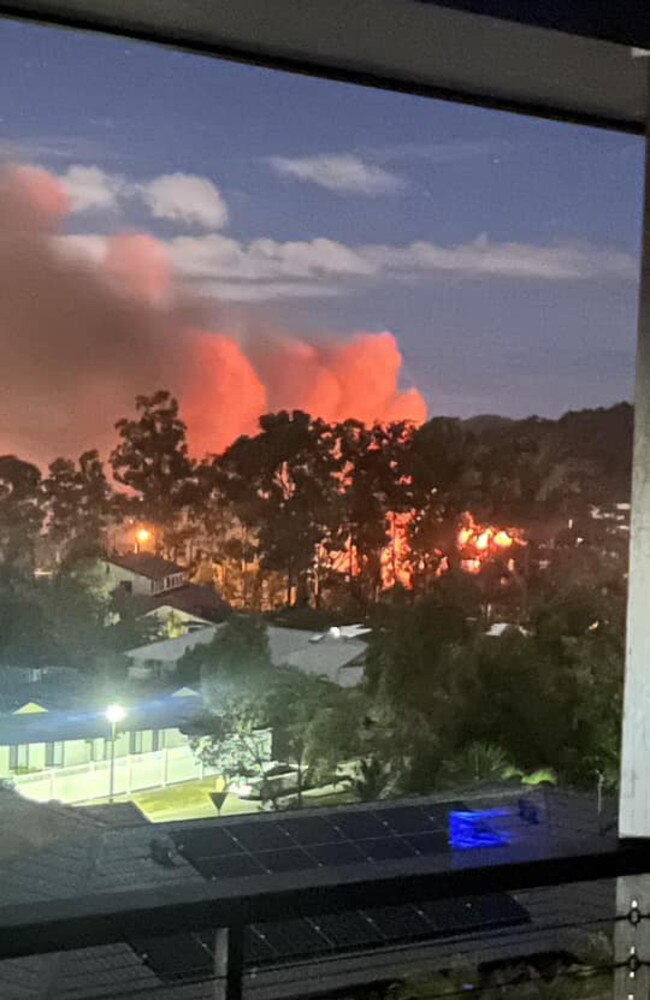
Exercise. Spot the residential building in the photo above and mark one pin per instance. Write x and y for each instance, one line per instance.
(337, 655)
(140, 573)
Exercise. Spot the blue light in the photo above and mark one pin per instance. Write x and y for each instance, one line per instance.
(473, 829)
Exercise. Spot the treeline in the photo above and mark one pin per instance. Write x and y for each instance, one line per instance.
(309, 512)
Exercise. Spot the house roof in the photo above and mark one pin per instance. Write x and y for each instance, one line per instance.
(103, 858)
(163, 611)
(89, 721)
(145, 564)
(171, 650)
(201, 600)
(327, 657)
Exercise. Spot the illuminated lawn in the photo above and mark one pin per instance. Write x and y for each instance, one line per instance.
(190, 800)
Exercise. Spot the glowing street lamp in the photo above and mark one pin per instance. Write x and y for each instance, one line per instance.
(114, 715)
(142, 536)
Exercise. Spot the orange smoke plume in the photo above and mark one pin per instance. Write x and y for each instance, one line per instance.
(87, 323)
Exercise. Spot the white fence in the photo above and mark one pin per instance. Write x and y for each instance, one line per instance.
(85, 782)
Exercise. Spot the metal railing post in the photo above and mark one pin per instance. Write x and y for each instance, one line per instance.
(229, 962)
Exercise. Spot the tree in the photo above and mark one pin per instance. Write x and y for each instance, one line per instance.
(152, 461)
(79, 503)
(315, 726)
(234, 670)
(283, 481)
(371, 780)
(233, 661)
(57, 621)
(374, 487)
(21, 511)
(314, 723)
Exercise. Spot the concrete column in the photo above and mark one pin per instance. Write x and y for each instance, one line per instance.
(634, 806)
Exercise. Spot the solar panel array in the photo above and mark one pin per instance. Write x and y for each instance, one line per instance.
(302, 843)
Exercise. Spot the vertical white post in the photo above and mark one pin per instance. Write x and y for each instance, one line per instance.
(634, 805)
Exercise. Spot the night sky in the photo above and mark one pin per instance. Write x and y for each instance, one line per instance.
(501, 251)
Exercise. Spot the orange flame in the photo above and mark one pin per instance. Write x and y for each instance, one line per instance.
(478, 543)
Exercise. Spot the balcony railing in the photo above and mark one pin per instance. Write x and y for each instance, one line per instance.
(233, 904)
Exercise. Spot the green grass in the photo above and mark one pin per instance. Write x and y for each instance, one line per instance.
(190, 800)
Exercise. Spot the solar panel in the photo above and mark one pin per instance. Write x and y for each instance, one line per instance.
(290, 859)
(311, 830)
(261, 836)
(175, 956)
(399, 923)
(438, 812)
(386, 848)
(228, 866)
(428, 843)
(349, 930)
(407, 819)
(332, 855)
(293, 938)
(257, 950)
(454, 916)
(258, 847)
(359, 825)
(202, 842)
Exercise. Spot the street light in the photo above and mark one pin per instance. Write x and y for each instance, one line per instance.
(114, 714)
(142, 536)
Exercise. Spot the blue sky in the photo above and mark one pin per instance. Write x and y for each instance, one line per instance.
(484, 326)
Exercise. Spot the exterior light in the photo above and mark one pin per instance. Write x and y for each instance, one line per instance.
(143, 535)
(115, 714)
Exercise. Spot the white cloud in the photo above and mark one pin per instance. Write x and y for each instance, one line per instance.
(344, 173)
(214, 256)
(268, 268)
(265, 269)
(186, 198)
(92, 189)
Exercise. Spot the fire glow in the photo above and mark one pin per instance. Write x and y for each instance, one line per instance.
(476, 546)
(479, 543)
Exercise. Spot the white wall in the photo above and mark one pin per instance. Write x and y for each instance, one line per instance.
(110, 577)
(132, 773)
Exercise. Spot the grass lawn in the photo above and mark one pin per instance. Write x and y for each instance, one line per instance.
(190, 800)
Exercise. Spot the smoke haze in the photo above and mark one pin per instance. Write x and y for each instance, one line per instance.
(87, 323)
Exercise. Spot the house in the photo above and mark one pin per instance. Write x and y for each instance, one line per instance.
(173, 622)
(139, 573)
(195, 600)
(336, 655)
(160, 587)
(69, 755)
(41, 734)
(161, 659)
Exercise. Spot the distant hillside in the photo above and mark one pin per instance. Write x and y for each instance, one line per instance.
(535, 465)
(486, 422)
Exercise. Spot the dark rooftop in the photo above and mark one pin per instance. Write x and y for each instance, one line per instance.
(300, 849)
(146, 564)
(193, 598)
